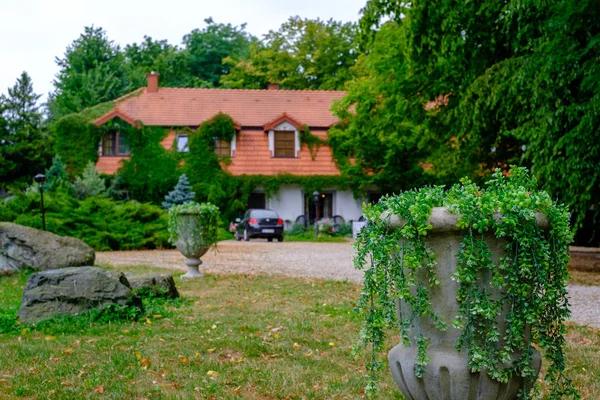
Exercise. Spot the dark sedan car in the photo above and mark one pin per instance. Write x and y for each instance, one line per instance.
(258, 223)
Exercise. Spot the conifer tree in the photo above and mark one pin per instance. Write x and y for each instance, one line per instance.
(89, 183)
(23, 145)
(56, 175)
(182, 193)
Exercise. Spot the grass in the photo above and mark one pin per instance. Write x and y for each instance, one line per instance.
(234, 336)
(249, 337)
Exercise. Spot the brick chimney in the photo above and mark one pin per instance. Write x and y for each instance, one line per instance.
(273, 86)
(152, 82)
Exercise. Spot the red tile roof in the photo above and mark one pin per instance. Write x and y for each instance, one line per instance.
(263, 109)
(191, 107)
(252, 157)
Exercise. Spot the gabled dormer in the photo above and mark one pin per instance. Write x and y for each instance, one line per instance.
(284, 136)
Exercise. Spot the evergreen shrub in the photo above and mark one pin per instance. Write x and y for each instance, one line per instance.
(102, 223)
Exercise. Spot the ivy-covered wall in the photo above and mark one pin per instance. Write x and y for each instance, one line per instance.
(152, 171)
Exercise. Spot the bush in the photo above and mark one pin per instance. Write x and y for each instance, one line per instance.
(296, 229)
(102, 223)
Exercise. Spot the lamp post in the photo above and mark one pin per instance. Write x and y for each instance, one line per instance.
(41, 178)
(316, 198)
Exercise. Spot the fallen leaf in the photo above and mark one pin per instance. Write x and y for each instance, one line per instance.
(331, 344)
(211, 350)
(68, 351)
(212, 373)
(48, 338)
(296, 346)
(184, 360)
(99, 389)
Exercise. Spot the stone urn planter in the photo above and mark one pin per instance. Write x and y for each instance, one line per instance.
(471, 279)
(447, 375)
(193, 229)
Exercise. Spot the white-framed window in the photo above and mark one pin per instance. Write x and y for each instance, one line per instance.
(284, 141)
(182, 143)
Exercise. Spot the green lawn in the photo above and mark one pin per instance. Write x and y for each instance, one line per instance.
(234, 337)
(249, 337)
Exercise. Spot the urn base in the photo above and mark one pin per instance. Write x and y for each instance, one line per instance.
(447, 376)
(193, 272)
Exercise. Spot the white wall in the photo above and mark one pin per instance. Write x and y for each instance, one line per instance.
(347, 206)
(288, 202)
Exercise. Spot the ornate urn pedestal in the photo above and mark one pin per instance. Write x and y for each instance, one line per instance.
(447, 376)
(189, 242)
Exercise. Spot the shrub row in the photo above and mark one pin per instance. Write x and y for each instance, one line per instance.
(101, 222)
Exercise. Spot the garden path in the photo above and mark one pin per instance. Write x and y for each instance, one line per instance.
(305, 259)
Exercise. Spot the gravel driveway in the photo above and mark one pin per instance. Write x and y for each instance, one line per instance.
(316, 260)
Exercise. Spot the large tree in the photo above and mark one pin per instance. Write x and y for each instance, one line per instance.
(485, 84)
(207, 48)
(302, 54)
(24, 148)
(92, 71)
(171, 62)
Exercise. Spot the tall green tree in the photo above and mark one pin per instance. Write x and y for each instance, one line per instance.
(24, 147)
(302, 54)
(207, 48)
(488, 84)
(92, 71)
(171, 62)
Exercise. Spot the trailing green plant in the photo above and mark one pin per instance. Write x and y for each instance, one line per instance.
(313, 142)
(204, 230)
(531, 277)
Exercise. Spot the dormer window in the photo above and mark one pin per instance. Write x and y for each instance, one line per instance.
(114, 144)
(222, 148)
(182, 143)
(285, 144)
(284, 140)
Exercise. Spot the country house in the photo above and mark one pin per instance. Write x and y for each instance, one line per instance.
(267, 140)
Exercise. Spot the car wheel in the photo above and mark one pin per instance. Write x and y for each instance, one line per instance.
(270, 239)
(280, 238)
(246, 237)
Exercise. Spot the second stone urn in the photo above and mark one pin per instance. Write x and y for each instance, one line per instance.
(447, 375)
(193, 229)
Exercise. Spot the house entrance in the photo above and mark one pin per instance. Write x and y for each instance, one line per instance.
(257, 200)
(325, 206)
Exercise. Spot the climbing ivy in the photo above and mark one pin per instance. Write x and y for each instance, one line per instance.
(531, 277)
(153, 170)
(313, 142)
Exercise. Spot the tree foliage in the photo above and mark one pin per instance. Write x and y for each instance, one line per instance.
(92, 71)
(25, 148)
(207, 48)
(302, 54)
(478, 85)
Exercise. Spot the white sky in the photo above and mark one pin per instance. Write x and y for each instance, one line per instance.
(34, 32)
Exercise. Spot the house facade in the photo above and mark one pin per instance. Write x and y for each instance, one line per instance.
(267, 140)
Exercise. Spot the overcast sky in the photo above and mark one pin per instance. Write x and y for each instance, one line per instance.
(34, 32)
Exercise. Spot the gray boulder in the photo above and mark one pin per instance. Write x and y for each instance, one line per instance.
(159, 285)
(23, 247)
(73, 290)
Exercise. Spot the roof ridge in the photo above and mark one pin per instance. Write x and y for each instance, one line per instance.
(252, 90)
